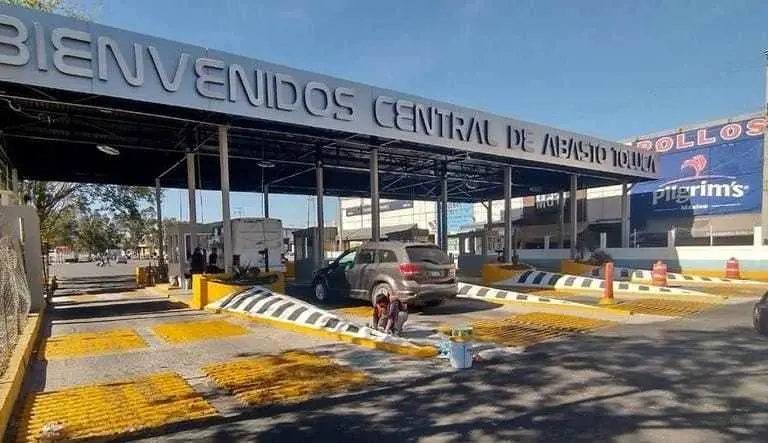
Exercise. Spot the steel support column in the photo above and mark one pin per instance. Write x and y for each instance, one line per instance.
(488, 227)
(375, 213)
(574, 216)
(226, 230)
(507, 214)
(625, 215)
(561, 219)
(444, 212)
(764, 211)
(191, 186)
(320, 237)
(265, 196)
(159, 213)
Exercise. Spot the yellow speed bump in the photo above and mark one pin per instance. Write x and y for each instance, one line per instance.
(669, 308)
(106, 411)
(535, 327)
(185, 332)
(290, 377)
(83, 344)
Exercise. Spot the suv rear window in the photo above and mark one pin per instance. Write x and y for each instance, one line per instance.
(427, 254)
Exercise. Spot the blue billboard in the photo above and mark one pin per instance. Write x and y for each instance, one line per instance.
(705, 171)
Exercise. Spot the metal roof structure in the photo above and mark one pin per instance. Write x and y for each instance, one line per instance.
(68, 86)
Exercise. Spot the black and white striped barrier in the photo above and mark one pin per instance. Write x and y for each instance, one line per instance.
(673, 278)
(565, 282)
(291, 313)
(619, 274)
(476, 292)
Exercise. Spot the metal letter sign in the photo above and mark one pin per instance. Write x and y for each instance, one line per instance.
(51, 51)
(705, 171)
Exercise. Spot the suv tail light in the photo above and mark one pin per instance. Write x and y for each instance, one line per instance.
(409, 270)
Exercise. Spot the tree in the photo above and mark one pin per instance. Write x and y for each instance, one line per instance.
(64, 7)
(96, 233)
(57, 206)
(132, 208)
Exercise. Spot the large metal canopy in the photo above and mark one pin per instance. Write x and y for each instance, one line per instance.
(68, 86)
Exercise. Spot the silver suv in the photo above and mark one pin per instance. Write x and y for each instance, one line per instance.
(420, 274)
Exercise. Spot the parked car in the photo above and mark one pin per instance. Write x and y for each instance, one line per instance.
(420, 273)
(760, 315)
(122, 259)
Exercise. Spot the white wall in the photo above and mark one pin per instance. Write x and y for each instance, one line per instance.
(422, 214)
(604, 203)
(497, 208)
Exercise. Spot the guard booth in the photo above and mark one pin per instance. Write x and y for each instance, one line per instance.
(307, 255)
(478, 246)
(181, 241)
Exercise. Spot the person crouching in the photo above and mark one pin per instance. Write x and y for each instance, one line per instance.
(389, 315)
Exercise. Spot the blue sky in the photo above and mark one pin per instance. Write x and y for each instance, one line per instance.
(604, 67)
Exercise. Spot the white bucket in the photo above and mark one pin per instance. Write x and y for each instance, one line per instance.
(461, 355)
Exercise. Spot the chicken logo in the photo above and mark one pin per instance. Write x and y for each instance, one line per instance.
(697, 163)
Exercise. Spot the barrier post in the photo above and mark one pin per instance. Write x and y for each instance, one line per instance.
(659, 274)
(732, 269)
(607, 298)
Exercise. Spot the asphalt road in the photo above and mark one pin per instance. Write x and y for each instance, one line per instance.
(697, 379)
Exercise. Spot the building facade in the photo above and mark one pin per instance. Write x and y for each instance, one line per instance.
(710, 192)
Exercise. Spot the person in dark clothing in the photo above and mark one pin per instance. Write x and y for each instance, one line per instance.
(197, 262)
(389, 315)
(213, 258)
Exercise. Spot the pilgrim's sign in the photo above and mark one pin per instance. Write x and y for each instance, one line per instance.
(60, 53)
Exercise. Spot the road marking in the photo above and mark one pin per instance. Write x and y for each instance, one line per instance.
(669, 308)
(81, 344)
(105, 411)
(528, 329)
(185, 332)
(289, 377)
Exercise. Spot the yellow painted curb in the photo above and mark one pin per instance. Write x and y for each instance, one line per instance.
(13, 378)
(410, 351)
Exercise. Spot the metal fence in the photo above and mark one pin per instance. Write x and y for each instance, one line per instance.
(14, 297)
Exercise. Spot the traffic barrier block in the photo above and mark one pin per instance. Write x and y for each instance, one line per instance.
(493, 272)
(492, 295)
(261, 304)
(577, 283)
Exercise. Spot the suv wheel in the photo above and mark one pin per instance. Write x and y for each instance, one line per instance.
(320, 291)
(433, 303)
(380, 289)
(760, 319)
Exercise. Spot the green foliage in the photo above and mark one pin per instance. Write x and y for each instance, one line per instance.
(57, 206)
(64, 7)
(96, 233)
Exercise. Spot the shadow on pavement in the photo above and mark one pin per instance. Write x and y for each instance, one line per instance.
(680, 381)
(95, 285)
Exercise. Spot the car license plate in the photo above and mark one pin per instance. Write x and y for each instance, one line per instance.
(434, 274)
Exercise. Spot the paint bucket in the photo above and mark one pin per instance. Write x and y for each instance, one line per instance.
(461, 355)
